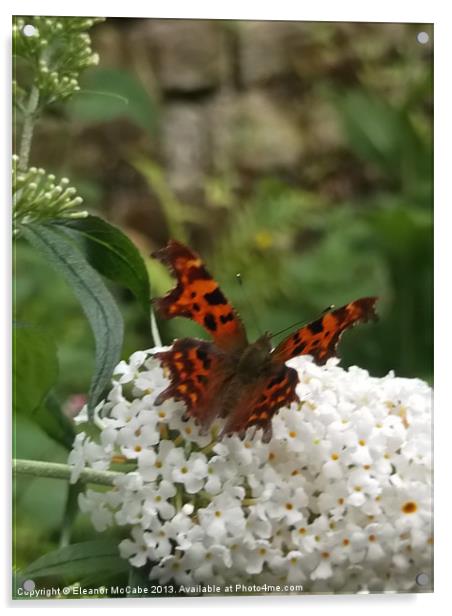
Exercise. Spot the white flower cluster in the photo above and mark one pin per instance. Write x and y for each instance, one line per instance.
(338, 501)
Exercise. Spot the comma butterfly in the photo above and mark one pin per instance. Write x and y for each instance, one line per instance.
(246, 384)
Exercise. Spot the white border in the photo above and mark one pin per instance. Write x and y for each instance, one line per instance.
(347, 10)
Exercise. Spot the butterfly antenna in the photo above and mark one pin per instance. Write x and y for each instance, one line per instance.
(249, 303)
(302, 322)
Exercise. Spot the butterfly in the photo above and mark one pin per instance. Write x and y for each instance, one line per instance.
(244, 383)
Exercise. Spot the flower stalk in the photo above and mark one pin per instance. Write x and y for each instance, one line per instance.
(27, 128)
(54, 470)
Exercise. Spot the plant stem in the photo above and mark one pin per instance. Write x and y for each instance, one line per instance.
(248, 502)
(70, 513)
(178, 499)
(27, 128)
(54, 470)
(155, 330)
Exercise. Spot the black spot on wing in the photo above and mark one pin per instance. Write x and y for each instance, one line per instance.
(201, 354)
(210, 322)
(215, 297)
(316, 327)
(204, 358)
(224, 318)
(298, 350)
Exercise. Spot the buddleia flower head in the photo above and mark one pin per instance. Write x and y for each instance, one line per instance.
(338, 501)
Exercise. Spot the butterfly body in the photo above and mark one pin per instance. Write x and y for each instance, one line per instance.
(243, 383)
(255, 359)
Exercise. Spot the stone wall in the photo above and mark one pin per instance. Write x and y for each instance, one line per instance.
(243, 100)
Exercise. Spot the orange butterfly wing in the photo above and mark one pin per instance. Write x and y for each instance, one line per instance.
(198, 374)
(320, 338)
(259, 402)
(198, 297)
(207, 381)
(204, 375)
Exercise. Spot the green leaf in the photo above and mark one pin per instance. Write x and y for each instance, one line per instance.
(78, 560)
(35, 371)
(373, 128)
(113, 255)
(35, 368)
(70, 513)
(107, 94)
(138, 578)
(99, 306)
(385, 136)
(52, 420)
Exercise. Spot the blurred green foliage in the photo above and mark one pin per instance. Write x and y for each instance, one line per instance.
(107, 94)
(298, 254)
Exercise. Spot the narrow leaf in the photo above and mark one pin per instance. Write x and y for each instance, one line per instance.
(35, 368)
(78, 559)
(112, 254)
(70, 513)
(97, 302)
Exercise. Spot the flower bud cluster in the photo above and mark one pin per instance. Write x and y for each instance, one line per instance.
(56, 50)
(38, 196)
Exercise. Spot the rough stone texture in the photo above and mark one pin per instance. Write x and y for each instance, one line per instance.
(215, 81)
(264, 50)
(185, 146)
(321, 129)
(189, 55)
(110, 46)
(223, 123)
(240, 100)
(257, 134)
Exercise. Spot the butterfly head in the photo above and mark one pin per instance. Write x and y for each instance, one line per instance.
(263, 343)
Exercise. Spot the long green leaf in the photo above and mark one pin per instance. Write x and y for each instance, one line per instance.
(99, 306)
(52, 420)
(113, 255)
(35, 371)
(385, 136)
(70, 513)
(35, 368)
(77, 560)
